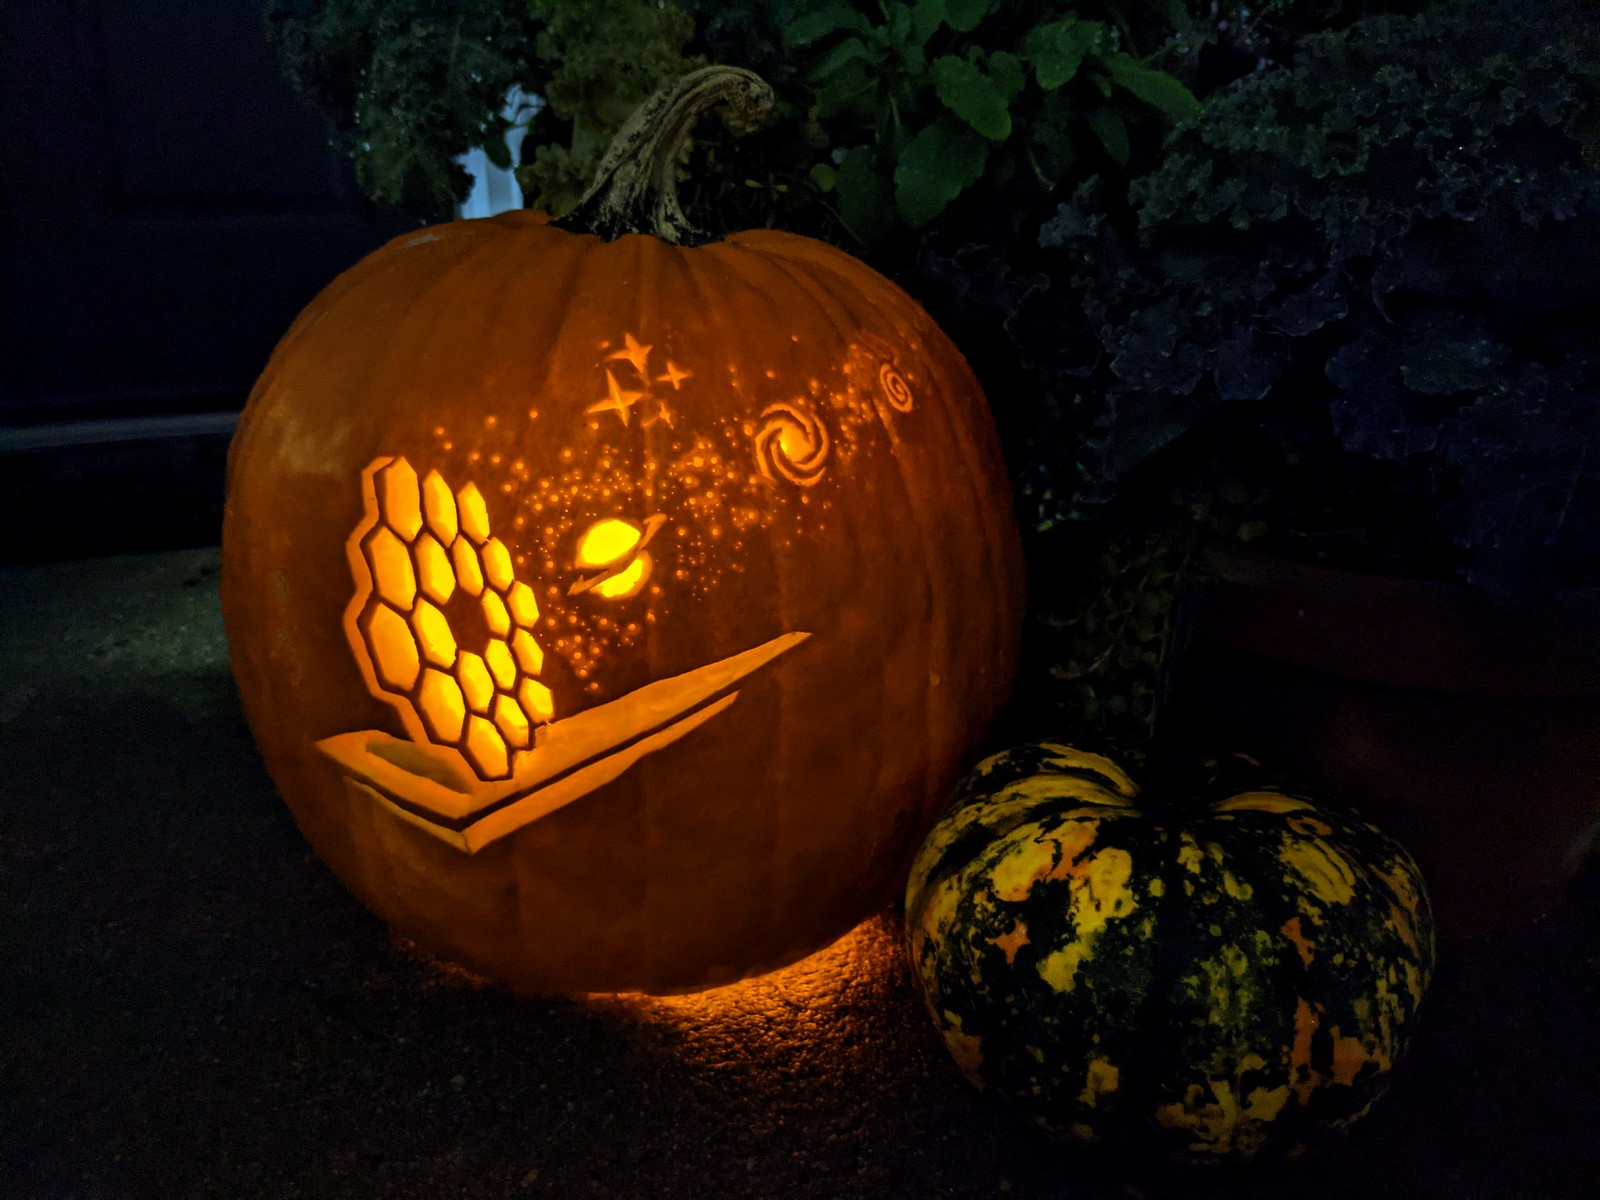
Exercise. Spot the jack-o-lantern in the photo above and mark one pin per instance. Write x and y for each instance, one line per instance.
(616, 614)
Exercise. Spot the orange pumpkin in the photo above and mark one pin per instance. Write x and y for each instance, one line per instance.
(616, 614)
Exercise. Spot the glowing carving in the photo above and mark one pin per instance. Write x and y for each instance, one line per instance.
(675, 375)
(617, 399)
(474, 516)
(792, 443)
(439, 506)
(397, 484)
(604, 542)
(575, 756)
(895, 388)
(615, 550)
(634, 353)
(398, 622)
(664, 413)
(485, 753)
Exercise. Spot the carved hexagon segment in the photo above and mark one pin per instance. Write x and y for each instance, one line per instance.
(394, 650)
(439, 507)
(433, 633)
(530, 655)
(468, 573)
(497, 564)
(396, 487)
(511, 721)
(442, 708)
(390, 563)
(524, 608)
(495, 615)
(476, 685)
(536, 700)
(474, 516)
(434, 572)
(501, 665)
(485, 749)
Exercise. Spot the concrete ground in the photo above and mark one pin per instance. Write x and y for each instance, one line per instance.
(191, 1006)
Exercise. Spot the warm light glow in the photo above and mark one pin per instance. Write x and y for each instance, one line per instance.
(393, 650)
(497, 657)
(391, 567)
(484, 702)
(433, 569)
(895, 389)
(438, 506)
(471, 703)
(524, 608)
(536, 700)
(433, 631)
(476, 684)
(529, 654)
(443, 710)
(617, 399)
(397, 496)
(791, 1004)
(675, 375)
(495, 615)
(633, 352)
(497, 564)
(511, 721)
(474, 516)
(626, 582)
(615, 548)
(485, 749)
(605, 543)
(468, 573)
(792, 444)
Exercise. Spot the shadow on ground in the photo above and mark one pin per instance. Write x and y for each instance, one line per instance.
(193, 1007)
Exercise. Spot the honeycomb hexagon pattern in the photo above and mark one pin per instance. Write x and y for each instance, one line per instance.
(427, 544)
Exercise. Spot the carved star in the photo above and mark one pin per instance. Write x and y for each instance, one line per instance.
(675, 375)
(663, 413)
(617, 399)
(633, 352)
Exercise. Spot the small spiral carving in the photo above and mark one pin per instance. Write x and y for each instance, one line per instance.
(895, 388)
(792, 444)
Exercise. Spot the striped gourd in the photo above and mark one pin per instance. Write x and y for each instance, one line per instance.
(1218, 976)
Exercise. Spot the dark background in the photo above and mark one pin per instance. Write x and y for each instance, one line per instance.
(169, 206)
(191, 1006)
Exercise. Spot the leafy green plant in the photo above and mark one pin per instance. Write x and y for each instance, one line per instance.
(1356, 302)
(406, 85)
(926, 102)
(889, 112)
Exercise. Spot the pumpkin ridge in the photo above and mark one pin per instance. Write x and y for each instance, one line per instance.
(422, 332)
(1166, 975)
(700, 271)
(719, 261)
(845, 326)
(1287, 984)
(849, 322)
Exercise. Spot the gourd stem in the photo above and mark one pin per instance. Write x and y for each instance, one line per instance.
(635, 189)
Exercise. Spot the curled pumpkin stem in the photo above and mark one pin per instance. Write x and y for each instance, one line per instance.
(635, 189)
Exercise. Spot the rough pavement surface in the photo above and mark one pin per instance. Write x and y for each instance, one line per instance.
(191, 1006)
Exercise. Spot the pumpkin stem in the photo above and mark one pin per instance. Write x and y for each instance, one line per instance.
(635, 188)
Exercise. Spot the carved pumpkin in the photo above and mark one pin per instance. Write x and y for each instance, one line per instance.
(616, 614)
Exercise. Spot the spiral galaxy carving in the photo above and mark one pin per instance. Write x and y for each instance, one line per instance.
(792, 444)
(895, 388)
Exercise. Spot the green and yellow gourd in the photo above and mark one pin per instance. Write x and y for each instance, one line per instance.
(1222, 976)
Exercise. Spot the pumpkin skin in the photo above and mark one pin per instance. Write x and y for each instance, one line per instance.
(1229, 979)
(806, 455)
